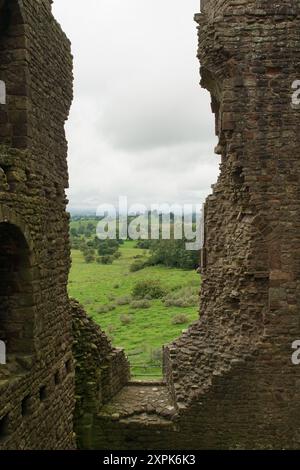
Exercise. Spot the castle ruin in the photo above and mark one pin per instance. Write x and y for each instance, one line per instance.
(229, 382)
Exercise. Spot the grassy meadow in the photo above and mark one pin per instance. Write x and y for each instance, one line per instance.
(141, 328)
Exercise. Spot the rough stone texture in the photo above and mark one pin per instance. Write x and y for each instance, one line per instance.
(101, 371)
(37, 385)
(237, 360)
(140, 416)
(230, 376)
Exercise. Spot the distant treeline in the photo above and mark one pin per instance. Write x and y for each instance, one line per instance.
(170, 253)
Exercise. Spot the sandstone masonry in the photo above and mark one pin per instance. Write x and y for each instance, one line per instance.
(37, 385)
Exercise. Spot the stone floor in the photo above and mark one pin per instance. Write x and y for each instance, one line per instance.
(136, 402)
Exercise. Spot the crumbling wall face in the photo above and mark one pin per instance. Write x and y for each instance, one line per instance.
(250, 290)
(101, 372)
(37, 384)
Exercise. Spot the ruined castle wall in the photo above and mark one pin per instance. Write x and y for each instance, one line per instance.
(101, 372)
(249, 296)
(37, 389)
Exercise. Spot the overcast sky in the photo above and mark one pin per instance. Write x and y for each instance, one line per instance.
(140, 125)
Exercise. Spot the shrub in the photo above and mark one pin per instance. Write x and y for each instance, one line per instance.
(147, 297)
(185, 297)
(180, 319)
(137, 266)
(143, 244)
(110, 330)
(116, 286)
(125, 319)
(106, 247)
(140, 304)
(117, 255)
(89, 258)
(173, 253)
(105, 308)
(150, 288)
(102, 309)
(123, 300)
(107, 259)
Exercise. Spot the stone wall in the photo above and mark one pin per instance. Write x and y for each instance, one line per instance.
(237, 360)
(101, 372)
(37, 384)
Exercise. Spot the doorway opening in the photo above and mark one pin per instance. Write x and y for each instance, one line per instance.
(16, 296)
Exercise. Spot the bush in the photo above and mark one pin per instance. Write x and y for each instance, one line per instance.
(117, 255)
(106, 308)
(123, 300)
(147, 297)
(173, 253)
(110, 331)
(125, 319)
(137, 266)
(102, 309)
(183, 303)
(150, 288)
(106, 247)
(143, 244)
(106, 259)
(140, 304)
(89, 258)
(180, 319)
(185, 297)
(116, 286)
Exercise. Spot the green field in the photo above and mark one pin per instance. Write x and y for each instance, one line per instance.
(142, 331)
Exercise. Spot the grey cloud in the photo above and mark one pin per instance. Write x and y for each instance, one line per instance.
(140, 124)
(137, 122)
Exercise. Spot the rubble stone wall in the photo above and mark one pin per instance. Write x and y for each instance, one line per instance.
(37, 384)
(101, 372)
(237, 359)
